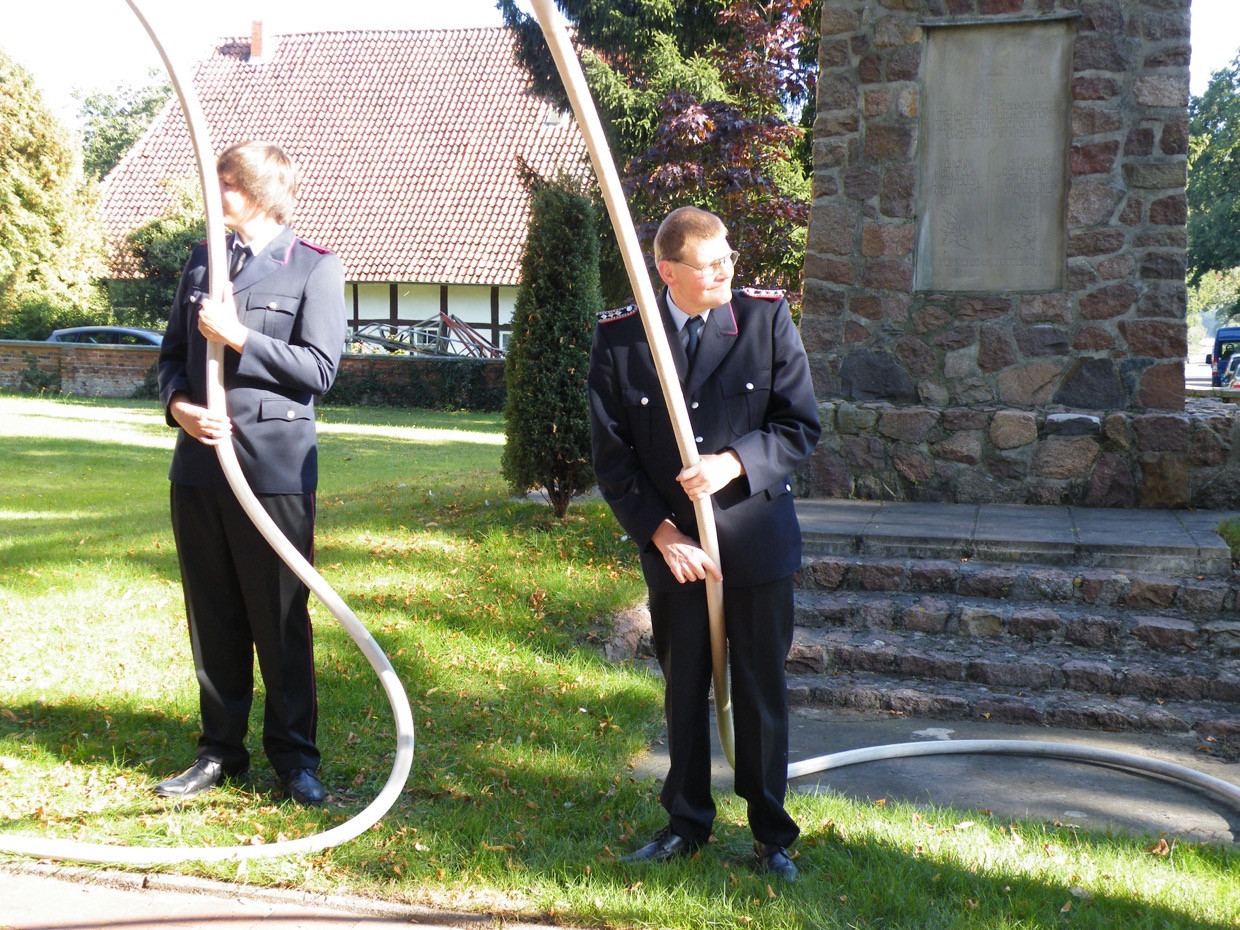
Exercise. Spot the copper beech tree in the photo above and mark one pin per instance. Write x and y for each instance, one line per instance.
(702, 102)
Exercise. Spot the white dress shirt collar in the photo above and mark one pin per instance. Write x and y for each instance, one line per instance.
(679, 317)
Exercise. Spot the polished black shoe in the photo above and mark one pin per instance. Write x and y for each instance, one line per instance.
(774, 860)
(667, 844)
(203, 774)
(303, 786)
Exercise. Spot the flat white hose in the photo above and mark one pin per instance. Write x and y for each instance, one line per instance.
(1222, 790)
(588, 121)
(403, 761)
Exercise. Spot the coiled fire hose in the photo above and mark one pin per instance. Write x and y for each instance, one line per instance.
(399, 701)
(609, 181)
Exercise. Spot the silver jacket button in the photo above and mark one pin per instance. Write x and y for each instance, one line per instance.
(694, 405)
(645, 401)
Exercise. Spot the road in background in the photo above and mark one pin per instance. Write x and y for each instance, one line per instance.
(1196, 374)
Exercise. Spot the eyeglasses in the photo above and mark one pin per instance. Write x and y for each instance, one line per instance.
(712, 268)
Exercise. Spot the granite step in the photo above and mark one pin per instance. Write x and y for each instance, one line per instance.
(1216, 723)
(1170, 541)
(1027, 667)
(1139, 633)
(1031, 581)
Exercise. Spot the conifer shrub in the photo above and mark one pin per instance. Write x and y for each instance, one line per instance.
(547, 412)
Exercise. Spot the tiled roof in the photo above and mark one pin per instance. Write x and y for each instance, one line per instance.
(409, 144)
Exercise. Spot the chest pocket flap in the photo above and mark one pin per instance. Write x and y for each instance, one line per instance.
(271, 314)
(639, 397)
(757, 382)
(281, 408)
(745, 396)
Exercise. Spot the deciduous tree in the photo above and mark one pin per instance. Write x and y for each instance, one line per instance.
(155, 254)
(735, 155)
(701, 99)
(113, 122)
(50, 247)
(1214, 175)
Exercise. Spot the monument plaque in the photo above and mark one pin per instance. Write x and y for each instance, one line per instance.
(992, 175)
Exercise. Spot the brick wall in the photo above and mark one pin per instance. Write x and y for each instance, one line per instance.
(962, 396)
(91, 371)
(129, 371)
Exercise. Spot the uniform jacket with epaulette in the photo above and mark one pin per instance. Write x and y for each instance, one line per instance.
(749, 391)
(291, 297)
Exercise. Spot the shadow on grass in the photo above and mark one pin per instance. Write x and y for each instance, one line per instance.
(545, 814)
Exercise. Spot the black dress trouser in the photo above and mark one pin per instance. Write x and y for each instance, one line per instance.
(759, 621)
(241, 600)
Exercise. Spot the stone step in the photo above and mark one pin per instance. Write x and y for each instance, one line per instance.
(1026, 667)
(1031, 582)
(1217, 723)
(1139, 634)
(1181, 542)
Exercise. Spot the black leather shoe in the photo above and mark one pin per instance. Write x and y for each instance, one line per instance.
(303, 786)
(774, 860)
(203, 774)
(667, 844)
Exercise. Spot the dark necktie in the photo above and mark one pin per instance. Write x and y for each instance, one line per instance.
(693, 335)
(240, 255)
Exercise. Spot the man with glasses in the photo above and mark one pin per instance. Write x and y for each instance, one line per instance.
(747, 385)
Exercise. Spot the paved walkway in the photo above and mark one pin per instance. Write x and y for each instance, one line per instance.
(42, 897)
(37, 896)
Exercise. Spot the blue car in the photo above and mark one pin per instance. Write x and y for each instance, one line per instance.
(108, 336)
(1226, 344)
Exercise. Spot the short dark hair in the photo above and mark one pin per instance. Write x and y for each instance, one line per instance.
(265, 173)
(681, 225)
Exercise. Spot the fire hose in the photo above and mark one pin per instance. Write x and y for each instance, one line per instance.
(216, 402)
(608, 178)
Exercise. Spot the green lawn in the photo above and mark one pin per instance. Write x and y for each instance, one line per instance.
(522, 792)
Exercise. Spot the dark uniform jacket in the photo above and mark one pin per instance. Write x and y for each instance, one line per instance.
(749, 391)
(291, 297)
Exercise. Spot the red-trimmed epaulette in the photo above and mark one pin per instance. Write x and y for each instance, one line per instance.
(318, 248)
(764, 293)
(620, 313)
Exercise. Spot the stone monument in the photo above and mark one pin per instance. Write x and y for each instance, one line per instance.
(994, 280)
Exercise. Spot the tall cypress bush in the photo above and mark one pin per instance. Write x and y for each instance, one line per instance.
(547, 413)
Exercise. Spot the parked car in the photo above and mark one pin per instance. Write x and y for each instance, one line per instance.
(1231, 372)
(1226, 344)
(108, 336)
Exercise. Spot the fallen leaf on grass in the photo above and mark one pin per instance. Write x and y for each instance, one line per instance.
(1161, 848)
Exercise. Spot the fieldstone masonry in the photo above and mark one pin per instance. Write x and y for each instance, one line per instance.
(1072, 395)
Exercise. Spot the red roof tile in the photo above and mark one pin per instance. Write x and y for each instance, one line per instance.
(409, 144)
